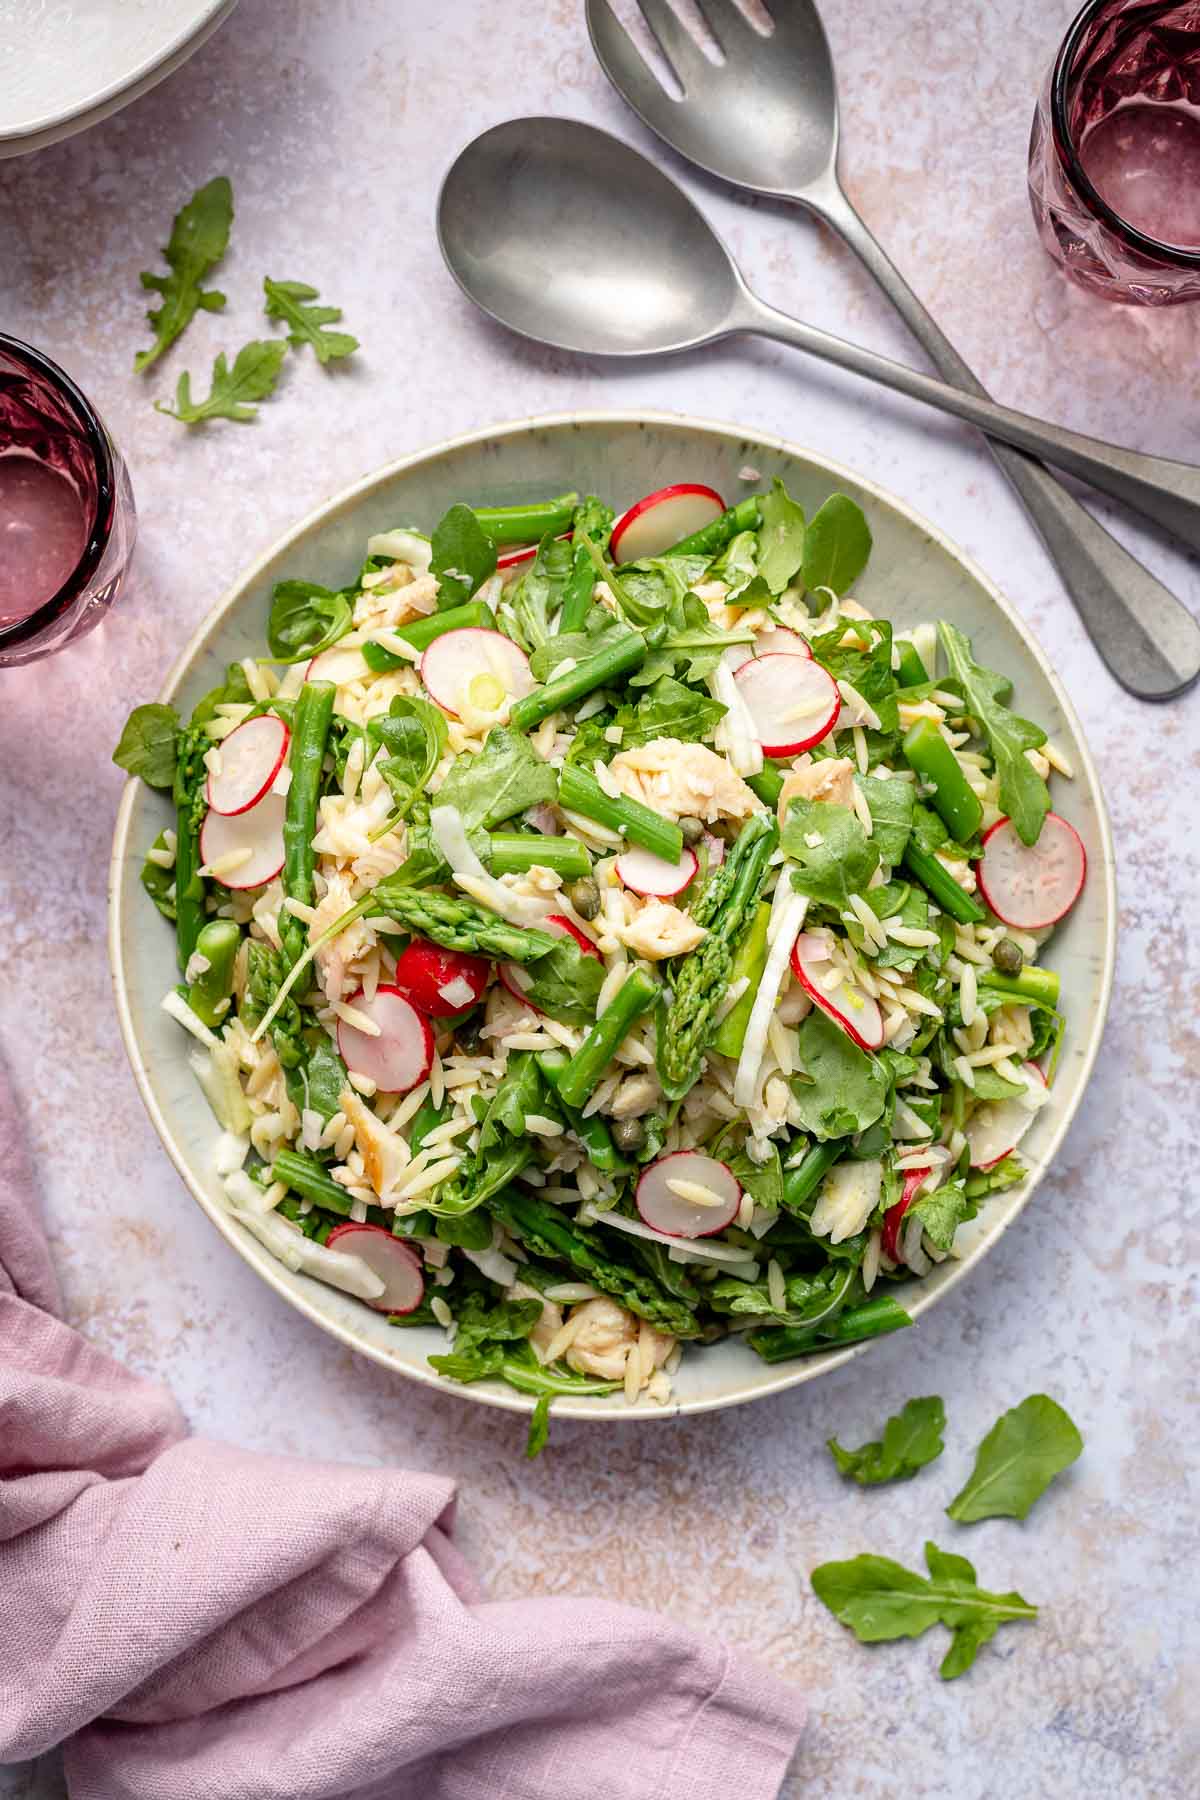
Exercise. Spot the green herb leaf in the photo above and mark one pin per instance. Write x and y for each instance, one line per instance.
(148, 744)
(668, 709)
(842, 1089)
(507, 777)
(305, 618)
(288, 300)
(1024, 796)
(891, 807)
(1017, 1460)
(879, 1600)
(868, 672)
(536, 596)
(566, 983)
(199, 236)
(781, 537)
(840, 864)
(837, 545)
(539, 1427)
(232, 392)
(159, 883)
(600, 632)
(414, 733)
(943, 1211)
(911, 1439)
(463, 556)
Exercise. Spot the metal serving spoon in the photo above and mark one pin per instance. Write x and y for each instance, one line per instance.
(766, 118)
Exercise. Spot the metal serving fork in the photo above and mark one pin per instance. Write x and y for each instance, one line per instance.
(767, 119)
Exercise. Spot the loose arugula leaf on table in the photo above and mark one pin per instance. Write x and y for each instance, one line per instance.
(536, 596)
(891, 807)
(1024, 796)
(781, 537)
(507, 777)
(289, 300)
(148, 745)
(837, 544)
(841, 863)
(911, 1439)
(879, 1600)
(199, 237)
(841, 1089)
(1017, 1460)
(463, 556)
(306, 618)
(232, 392)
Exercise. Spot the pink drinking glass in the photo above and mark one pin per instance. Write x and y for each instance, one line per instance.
(1114, 158)
(67, 518)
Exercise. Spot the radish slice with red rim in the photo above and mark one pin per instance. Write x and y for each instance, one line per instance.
(339, 664)
(856, 1012)
(249, 759)
(646, 873)
(1031, 886)
(523, 553)
(996, 1127)
(793, 703)
(893, 1218)
(661, 520)
(475, 667)
(398, 1267)
(688, 1195)
(440, 982)
(778, 641)
(255, 837)
(402, 1052)
(517, 978)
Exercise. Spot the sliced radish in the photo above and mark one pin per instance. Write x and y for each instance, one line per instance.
(893, 1218)
(518, 979)
(440, 982)
(996, 1127)
(250, 759)
(398, 1267)
(339, 664)
(716, 848)
(688, 1195)
(254, 837)
(778, 641)
(1031, 886)
(857, 1013)
(401, 1054)
(661, 520)
(475, 667)
(523, 553)
(792, 703)
(646, 873)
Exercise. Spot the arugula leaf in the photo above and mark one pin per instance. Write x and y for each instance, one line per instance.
(891, 807)
(463, 556)
(943, 1211)
(566, 983)
(843, 1089)
(601, 632)
(325, 1079)
(837, 545)
(507, 777)
(539, 1427)
(1024, 796)
(1017, 1460)
(928, 832)
(911, 1439)
(869, 672)
(693, 645)
(233, 691)
(414, 733)
(840, 864)
(996, 1180)
(518, 1093)
(912, 909)
(737, 565)
(231, 391)
(762, 1181)
(478, 1322)
(199, 237)
(305, 618)
(668, 709)
(879, 1600)
(148, 744)
(288, 300)
(158, 882)
(781, 537)
(809, 1298)
(538, 594)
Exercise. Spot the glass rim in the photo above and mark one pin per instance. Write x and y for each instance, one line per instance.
(1060, 81)
(100, 526)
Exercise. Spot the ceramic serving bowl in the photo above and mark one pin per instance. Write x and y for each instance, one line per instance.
(914, 573)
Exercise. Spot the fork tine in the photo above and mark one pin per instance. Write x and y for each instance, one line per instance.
(622, 61)
(725, 21)
(675, 41)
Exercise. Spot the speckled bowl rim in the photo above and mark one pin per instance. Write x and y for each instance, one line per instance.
(774, 1379)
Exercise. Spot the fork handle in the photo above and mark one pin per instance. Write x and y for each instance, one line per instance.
(1149, 640)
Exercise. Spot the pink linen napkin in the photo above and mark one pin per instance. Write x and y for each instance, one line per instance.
(205, 1623)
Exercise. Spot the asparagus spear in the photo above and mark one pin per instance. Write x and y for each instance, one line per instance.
(188, 795)
(594, 671)
(208, 995)
(742, 517)
(875, 1317)
(580, 792)
(513, 852)
(527, 523)
(750, 961)
(310, 734)
(1041, 985)
(421, 633)
(577, 1081)
(800, 1183)
(942, 886)
(926, 751)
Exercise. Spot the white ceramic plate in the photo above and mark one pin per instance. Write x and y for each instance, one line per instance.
(914, 573)
(66, 66)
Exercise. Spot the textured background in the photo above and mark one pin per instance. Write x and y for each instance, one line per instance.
(335, 121)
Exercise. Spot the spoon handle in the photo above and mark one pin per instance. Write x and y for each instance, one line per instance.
(1149, 640)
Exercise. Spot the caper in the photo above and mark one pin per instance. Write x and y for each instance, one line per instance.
(692, 829)
(584, 896)
(1007, 957)
(629, 1135)
(466, 1032)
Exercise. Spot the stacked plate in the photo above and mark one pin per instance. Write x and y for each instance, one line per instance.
(63, 68)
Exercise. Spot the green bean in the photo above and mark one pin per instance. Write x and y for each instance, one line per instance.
(310, 734)
(926, 751)
(580, 792)
(421, 633)
(529, 522)
(592, 1132)
(875, 1317)
(768, 785)
(593, 672)
(208, 995)
(711, 538)
(750, 959)
(310, 1180)
(802, 1182)
(1040, 985)
(910, 670)
(942, 887)
(582, 1074)
(513, 852)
